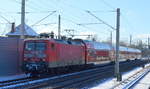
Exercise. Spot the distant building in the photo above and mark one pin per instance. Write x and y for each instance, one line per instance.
(16, 31)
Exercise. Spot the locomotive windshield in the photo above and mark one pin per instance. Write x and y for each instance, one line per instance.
(40, 46)
(35, 46)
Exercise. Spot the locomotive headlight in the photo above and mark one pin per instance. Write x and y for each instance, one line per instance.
(43, 60)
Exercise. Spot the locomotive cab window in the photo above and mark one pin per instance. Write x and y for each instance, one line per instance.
(35, 46)
(29, 46)
(40, 46)
(52, 46)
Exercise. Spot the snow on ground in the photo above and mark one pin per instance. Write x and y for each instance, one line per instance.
(147, 65)
(109, 83)
(143, 83)
(12, 77)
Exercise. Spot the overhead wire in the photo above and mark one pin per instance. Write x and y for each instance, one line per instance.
(56, 5)
(101, 11)
(44, 24)
(42, 9)
(4, 16)
(15, 1)
(89, 23)
(124, 17)
(108, 4)
(5, 13)
(95, 11)
(69, 6)
(77, 17)
(44, 18)
(43, 5)
(39, 12)
(42, 27)
(100, 20)
(5, 19)
(127, 21)
(34, 5)
(80, 25)
(6, 27)
(27, 12)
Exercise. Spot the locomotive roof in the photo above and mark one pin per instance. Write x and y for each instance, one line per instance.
(30, 39)
(68, 42)
(56, 40)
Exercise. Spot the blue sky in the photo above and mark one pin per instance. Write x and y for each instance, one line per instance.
(134, 16)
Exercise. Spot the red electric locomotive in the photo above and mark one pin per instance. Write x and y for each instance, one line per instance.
(41, 55)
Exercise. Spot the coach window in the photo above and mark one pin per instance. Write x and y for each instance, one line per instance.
(53, 46)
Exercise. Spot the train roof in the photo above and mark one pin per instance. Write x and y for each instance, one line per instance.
(104, 46)
(98, 45)
(122, 48)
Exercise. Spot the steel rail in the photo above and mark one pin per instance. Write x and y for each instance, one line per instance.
(134, 82)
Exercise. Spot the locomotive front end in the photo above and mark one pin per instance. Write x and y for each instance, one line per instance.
(34, 56)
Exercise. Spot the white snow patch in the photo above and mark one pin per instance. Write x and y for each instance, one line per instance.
(28, 31)
(108, 84)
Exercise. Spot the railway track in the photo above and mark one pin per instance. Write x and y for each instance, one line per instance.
(72, 80)
(16, 81)
(81, 81)
(132, 80)
(53, 80)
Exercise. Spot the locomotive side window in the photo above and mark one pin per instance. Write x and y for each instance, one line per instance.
(29, 46)
(52, 46)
